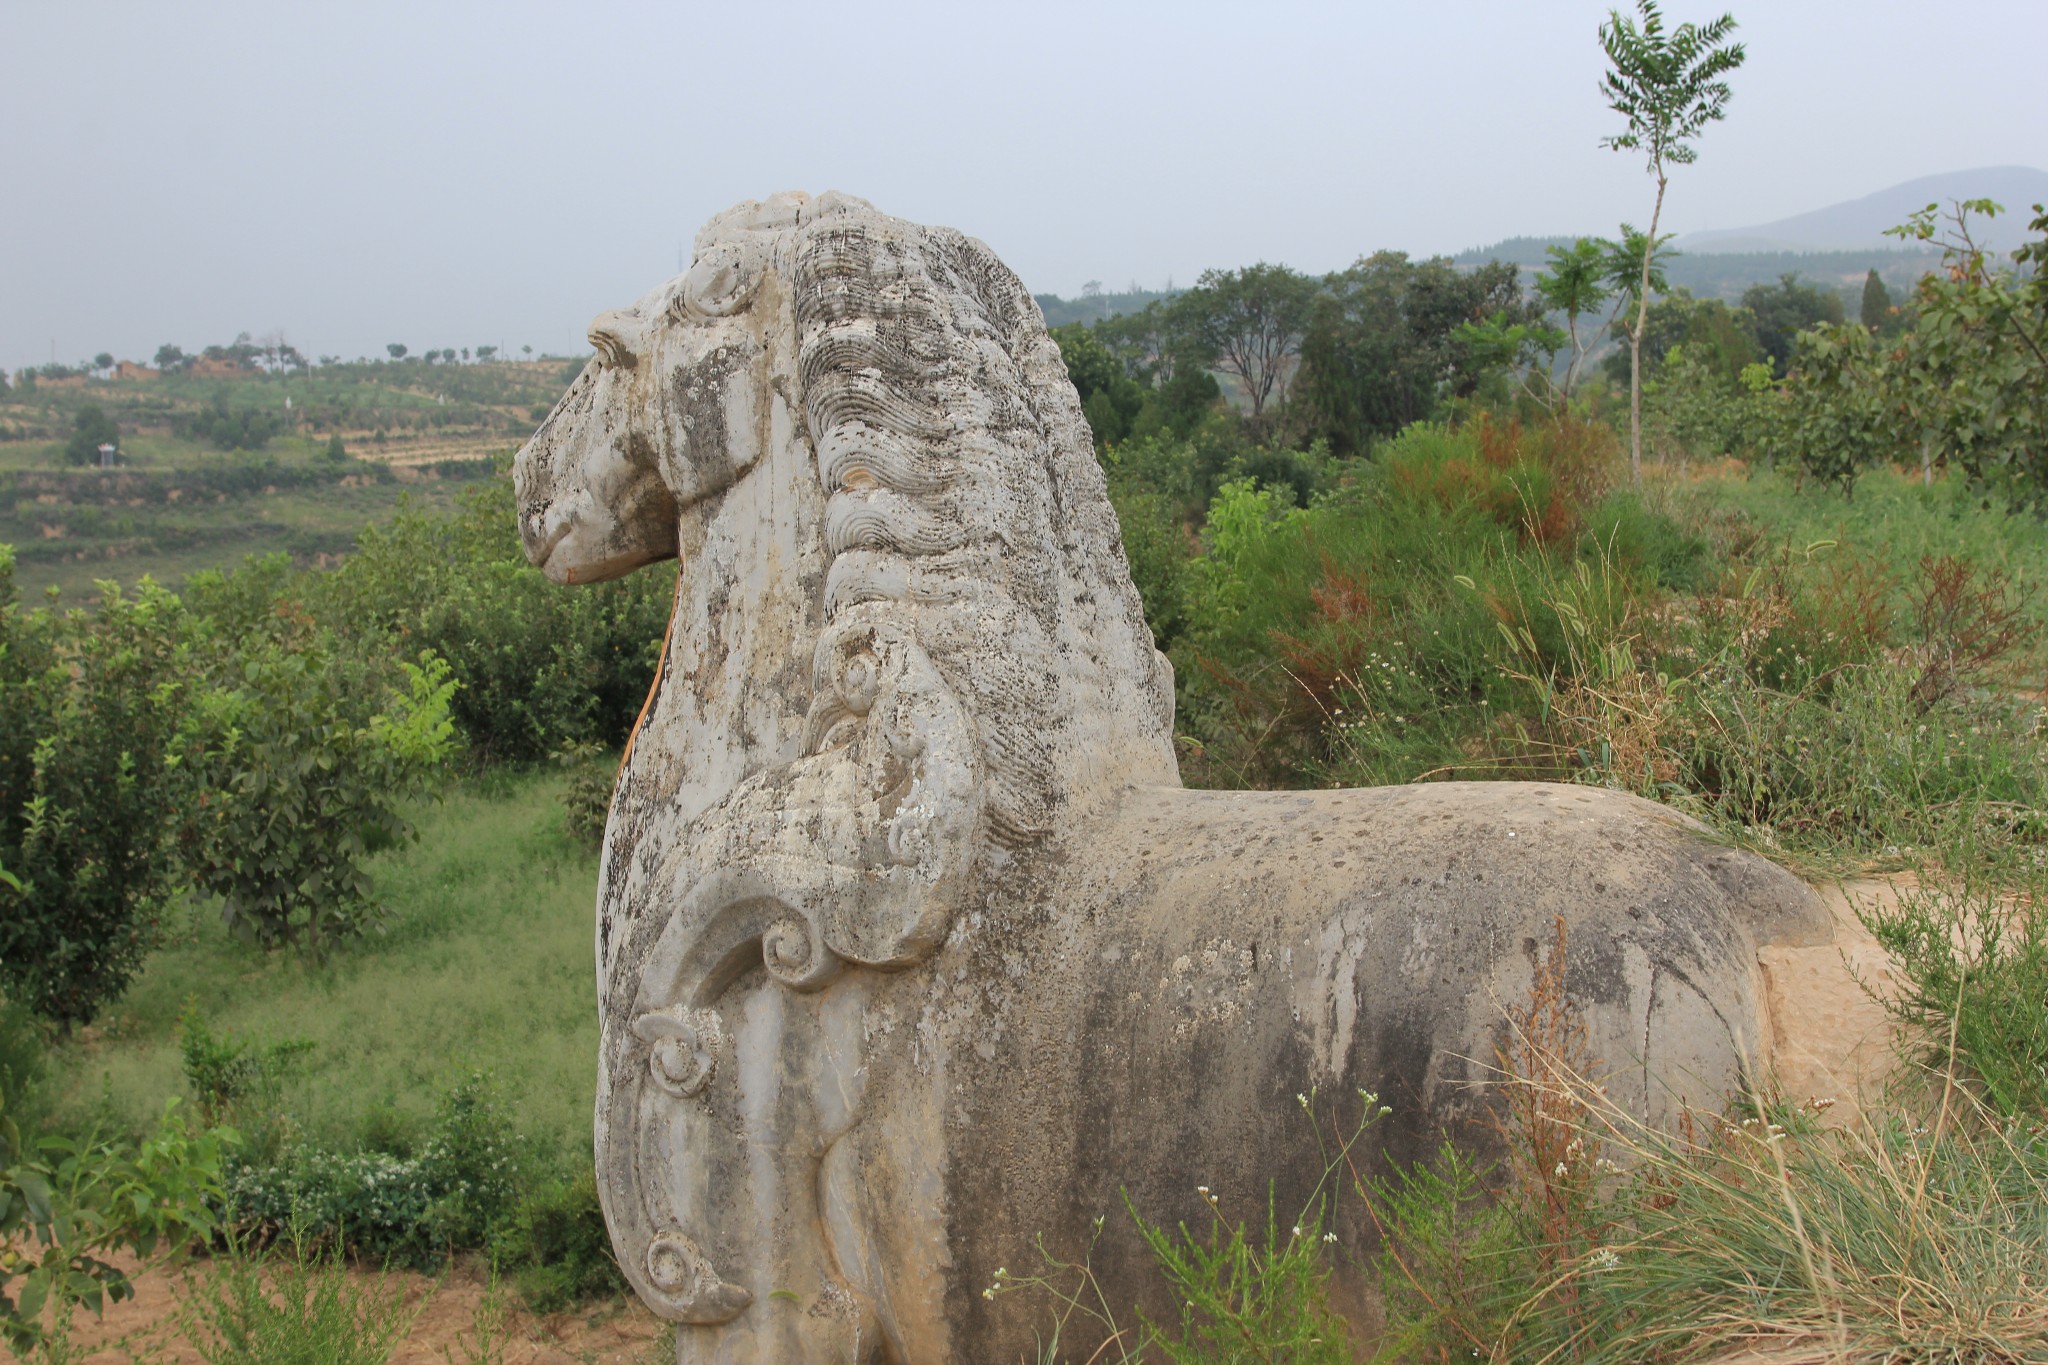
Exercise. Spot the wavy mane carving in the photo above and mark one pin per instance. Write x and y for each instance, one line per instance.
(951, 449)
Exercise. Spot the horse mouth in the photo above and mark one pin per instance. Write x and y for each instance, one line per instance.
(539, 554)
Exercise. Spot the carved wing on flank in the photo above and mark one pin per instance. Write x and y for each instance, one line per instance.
(859, 854)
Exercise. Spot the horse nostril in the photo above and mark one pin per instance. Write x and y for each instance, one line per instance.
(611, 337)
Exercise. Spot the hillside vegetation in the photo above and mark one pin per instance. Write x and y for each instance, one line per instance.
(229, 458)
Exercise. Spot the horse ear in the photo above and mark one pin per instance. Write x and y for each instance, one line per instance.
(720, 281)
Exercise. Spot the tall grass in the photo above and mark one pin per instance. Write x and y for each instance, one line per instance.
(1481, 602)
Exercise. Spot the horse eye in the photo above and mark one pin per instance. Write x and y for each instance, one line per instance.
(718, 284)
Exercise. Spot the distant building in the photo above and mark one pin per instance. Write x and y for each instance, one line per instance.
(128, 369)
(108, 454)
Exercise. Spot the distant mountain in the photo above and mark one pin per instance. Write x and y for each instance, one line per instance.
(1859, 224)
(1523, 251)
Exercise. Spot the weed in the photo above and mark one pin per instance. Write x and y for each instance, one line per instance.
(1970, 627)
(1972, 959)
(489, 1329)
(234, 1083)
(297, 1306)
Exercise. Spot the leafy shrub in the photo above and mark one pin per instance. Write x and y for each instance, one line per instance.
(90, 430)
(23, 1063)
(557, 1248)
(539, 667)
(230, 429)
(587, 800)
(89, 705)
(408, 1211)
(1426, 621)
(1537, 482)
(1157, 549)
(235, 1082)
(68, 1204)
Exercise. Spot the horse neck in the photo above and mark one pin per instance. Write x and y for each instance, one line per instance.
(735, 681)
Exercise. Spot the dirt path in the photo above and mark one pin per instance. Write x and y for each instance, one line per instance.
(1829, 1037)
(144, 1330)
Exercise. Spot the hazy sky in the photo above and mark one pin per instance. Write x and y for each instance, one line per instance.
(456, 174)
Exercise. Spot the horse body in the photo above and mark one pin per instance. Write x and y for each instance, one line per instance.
(910, 947)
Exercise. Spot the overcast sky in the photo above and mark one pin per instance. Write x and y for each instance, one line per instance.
(457, 174)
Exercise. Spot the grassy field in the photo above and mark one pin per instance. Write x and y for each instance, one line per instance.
(485, 965)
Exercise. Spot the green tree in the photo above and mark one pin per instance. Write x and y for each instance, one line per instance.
(90, 430)
(90, 703)
(1383, 348)
(1251, 320)
(336, 451)
(1668, 88)
(103, 361)
(169, 357)
(1110, 398)
(1783, 310)
(396, 349)
(1876, 313)
(1157, 343)
(1975, 369)
(1721, 338)
(1574, 285)
(486, 352)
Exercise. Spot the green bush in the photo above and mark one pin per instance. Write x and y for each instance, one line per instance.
(305, 757)
(539, 667)
(556, 1247)
(235, 1082)
(67, 1204)
(24, 1063)
(230, 428)
(90, 430)
(587, 800)
(1972, 959)
(412, 1211)
(1481, 602)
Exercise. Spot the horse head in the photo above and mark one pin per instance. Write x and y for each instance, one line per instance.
(666, 415)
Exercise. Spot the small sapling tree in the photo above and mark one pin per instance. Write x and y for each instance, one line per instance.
(305, 757)
(1574, 285)
(1668, 87)
(89, 705)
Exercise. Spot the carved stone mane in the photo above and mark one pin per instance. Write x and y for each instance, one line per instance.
(962, 487)
(911, 950)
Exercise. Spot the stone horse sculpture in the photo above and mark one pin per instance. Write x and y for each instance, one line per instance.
(910, 946)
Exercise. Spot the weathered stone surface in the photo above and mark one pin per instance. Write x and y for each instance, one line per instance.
(910, 946)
